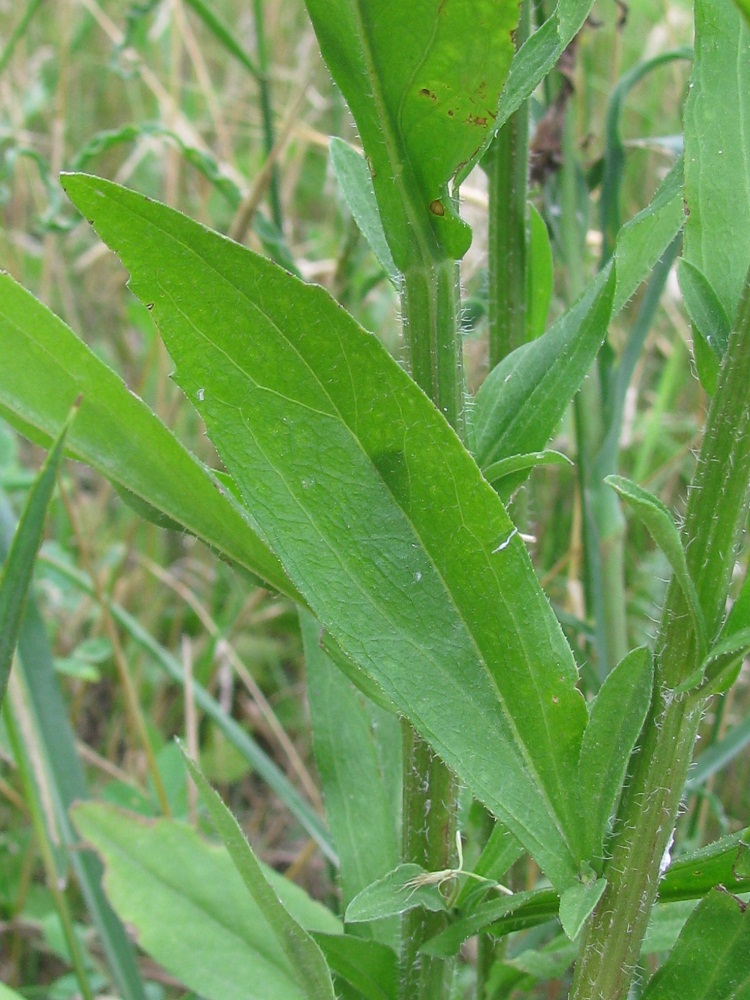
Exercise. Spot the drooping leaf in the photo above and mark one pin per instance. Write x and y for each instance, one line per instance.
(508, 467)
(710, 958)
(358, 755)
(709, 320)
(653, 513)
(357, 492)
(717, 132)
(423, 81)
(46, 368)
(577, 904)
(354, 179)
(18, 568)
(159, 874)
(304, 957)
(615, 721)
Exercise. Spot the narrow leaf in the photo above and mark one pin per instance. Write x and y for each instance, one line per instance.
(160, 874)
(18, 568)
(506, 467)
(709, 959)
(717, 132)
(720, 863)
(577, 903)
(720, 754)
(523, 398)
(616, 719)
(540, 275)
(354, 179)
(709, 320)
(660, 525)
(724, 662)
(423, 82)
(358, 494)
(304, 956)
(46, 368)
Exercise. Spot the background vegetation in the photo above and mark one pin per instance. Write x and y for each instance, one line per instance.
(233, 130)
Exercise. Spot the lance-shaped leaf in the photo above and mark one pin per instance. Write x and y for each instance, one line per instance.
(377, 512)
(717, 132)
(655, 516)
(18, 569)
(616, 720)
(46, 368)
(423, 81)
(709, 959)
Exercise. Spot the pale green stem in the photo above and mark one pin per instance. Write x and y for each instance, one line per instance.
(434, 357)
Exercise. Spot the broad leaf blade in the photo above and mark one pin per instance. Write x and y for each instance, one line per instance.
(159, 874)
(710, 958)
(368, 966)
(717, 132)
(577, 903)
(46, 368)
(304, 956)
(423, 82)
(18, 568)
(357, 490)
(405, 888)
(615, 722)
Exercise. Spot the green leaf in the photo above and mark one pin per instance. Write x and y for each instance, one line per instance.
(357, 492)
(616, 718)
(522, 399)
(498, 471)
(368, 966)
(540, 275)
(355, 182)
(46, 368)
(8, 994)
(536, 57)
(405, 888)
(18, 568)
(358, 755)
(717, 132)
(709, 320)
(423, 83)
(720, 863)
(577, 903)
(724, 662)
(744, 7)
(710, 958)
(660, 525)
(159, 874)
(643, 239)
(304, 956)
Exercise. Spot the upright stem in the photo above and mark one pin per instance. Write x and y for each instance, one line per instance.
(269, 136)
(433, 352)
(507, 166)
(715, 519)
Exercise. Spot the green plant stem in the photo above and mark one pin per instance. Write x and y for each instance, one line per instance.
(434, 355)
(507, 166)
(715, 518)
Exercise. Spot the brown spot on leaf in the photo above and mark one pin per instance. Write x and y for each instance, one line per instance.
(436, 207)
(428, 93)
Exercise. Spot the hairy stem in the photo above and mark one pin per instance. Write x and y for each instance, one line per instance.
(715, 519)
